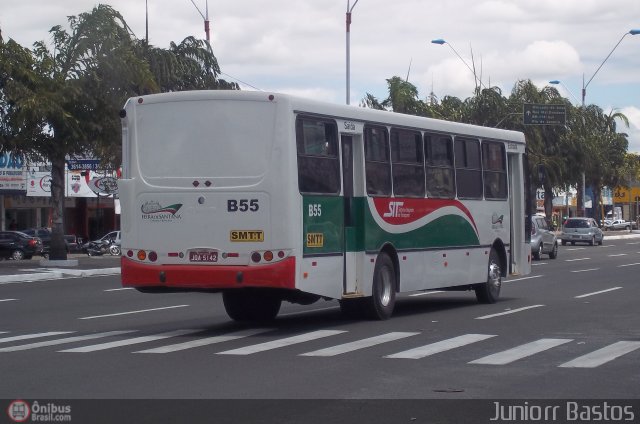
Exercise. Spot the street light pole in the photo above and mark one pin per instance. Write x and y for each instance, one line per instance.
(349, 10)
(206, 19)
(581, 212)
(440, 42)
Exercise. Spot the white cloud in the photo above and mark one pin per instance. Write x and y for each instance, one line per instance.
(633, 113)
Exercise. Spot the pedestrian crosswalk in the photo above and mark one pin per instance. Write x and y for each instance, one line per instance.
(259, 340)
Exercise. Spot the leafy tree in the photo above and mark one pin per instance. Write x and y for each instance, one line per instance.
(64, 102)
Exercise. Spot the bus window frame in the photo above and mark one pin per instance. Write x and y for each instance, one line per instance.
(432, 165)
(332, 156)
(374, 165)
(397, 163)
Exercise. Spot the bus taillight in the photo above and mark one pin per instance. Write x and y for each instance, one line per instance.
(142, 255)
(153, 256)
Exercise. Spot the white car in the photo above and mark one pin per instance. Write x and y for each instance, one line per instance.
(617, 224)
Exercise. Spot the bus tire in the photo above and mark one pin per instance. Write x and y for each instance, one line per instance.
(251, 305)
(489, 291)
(380, 305)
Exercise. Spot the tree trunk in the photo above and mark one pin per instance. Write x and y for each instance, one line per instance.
(58, 249)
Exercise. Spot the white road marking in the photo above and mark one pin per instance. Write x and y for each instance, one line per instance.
(519, 352)
(602, 356)
(617, 254)
(576, 248)
(120, 289)
(307, 311)
(441, 346)
(622, 266)
(261, 347)
(33, 336)
(135, 312)
(598, 292)
(426, 293)
(63, 341)
(523, 278)
(576, 260)
(359, 344)
(539, 263)
(206, 341)
(586, 270)
(127, 342)
(7, 300)
(512, 311)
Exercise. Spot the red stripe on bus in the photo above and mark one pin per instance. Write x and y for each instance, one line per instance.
(277, 275)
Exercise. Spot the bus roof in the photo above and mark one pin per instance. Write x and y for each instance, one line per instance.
(304, 105)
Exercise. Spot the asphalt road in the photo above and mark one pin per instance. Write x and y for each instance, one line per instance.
(570, 330)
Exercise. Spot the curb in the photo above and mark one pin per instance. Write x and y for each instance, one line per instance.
(56, 274)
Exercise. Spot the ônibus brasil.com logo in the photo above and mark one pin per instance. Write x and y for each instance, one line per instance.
(19, 411)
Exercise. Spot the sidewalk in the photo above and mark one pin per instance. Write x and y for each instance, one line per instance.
(613, 235)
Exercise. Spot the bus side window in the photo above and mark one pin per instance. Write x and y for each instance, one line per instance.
(377, 163)
(318, 165)
(468, 168)
(494, 170)
(440, 174)
(408, 163)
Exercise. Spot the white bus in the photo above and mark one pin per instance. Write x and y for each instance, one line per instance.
(269, 197)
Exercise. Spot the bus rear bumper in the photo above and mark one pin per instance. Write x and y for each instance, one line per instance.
(280, 275)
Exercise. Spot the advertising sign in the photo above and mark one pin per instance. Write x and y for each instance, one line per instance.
(12, 173)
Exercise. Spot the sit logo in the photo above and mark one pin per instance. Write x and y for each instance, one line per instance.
(394, 210)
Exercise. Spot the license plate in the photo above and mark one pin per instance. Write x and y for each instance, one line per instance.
(203, 256)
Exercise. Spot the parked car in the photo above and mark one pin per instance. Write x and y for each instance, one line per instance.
(17, 245)
(543, 240)
(581, 230)
(74, 243)
(617, 224)
(43, 234)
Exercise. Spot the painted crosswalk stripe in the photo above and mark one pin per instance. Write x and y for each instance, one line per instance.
(64, 340)
(288, 341)
(602, 356)
(359, 344)
(33, 336)
(441, 346)
(519, 352)
(206, 341)
(127, 342)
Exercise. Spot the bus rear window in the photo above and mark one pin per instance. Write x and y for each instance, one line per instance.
(318, 166)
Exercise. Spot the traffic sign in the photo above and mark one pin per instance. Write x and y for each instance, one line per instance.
(542, 114)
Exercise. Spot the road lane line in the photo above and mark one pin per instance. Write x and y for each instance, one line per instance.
(586, 270)
(360, 344)
(127, 342)
(207, 341)
(576, 248)
(512, 311)
(65, 340)
(307, 311)
(598, 292)
(7, 300)
(441, 346)
(33, 336)
(134, 312)
(602, 356)
(523, 278)
(576, 260)
(539, 263)
(622, 266)
(511, 355)
(617, 254)
(120, 289)
(288, 341)
(426, 293)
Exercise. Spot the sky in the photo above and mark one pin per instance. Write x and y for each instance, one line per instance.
(299, 47)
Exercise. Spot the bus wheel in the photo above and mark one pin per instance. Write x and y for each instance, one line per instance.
(381, 303)
(490, 291)
(251, 305)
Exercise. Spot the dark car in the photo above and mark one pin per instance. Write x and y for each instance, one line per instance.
(43, 234)
(16, 245)
(74, 243)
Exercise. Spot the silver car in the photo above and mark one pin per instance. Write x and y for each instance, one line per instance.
(581, 230)
(543, 240)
